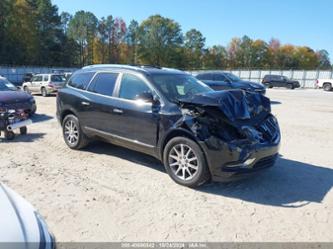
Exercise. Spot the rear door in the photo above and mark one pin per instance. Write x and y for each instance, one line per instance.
(99, 116)
(275, 80)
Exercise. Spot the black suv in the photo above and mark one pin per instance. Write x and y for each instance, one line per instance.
(199, 134)
(280, 81)
(223, 81)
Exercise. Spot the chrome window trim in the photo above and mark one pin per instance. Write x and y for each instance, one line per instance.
(117, 85)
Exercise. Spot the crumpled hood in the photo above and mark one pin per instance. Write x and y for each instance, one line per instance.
(234, 104)
(11, 97)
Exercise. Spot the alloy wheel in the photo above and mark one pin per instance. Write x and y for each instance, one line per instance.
(71, 132)
(183, 162)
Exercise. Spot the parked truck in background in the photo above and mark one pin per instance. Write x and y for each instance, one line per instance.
(326, 84)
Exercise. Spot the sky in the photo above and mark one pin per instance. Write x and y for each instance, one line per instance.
(297, 22)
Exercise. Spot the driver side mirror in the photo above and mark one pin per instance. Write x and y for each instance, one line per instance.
(146, 97)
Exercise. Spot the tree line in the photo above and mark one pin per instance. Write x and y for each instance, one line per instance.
(32, 32)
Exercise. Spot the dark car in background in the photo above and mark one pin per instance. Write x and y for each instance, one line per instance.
(224, 81)
(271, 81)
(12, 98)
(27, 77)
(198, 133)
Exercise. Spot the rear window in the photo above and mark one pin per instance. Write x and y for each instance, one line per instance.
(104, 83)
(81, 80)
(58, 78)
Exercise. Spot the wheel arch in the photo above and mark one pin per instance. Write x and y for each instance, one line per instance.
(179, 132)
(67, 112)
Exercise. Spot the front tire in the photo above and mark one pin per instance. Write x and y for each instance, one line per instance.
(44, 92)
(26, 89)
(73, 134)
(185, 162)
(23, 130)
(9, 135)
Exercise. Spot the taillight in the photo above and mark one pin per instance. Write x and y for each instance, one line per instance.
(317, 82)
(51, 85)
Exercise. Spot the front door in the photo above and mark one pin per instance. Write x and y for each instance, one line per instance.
(37, 81)
(134, 120)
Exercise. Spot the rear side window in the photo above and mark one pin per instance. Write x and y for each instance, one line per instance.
(81, 80)
(37, 78)
(131, 86)
(205, 76)
(46, 78)
(104, 83)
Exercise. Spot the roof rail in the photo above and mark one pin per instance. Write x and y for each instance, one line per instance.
(114, 66)
(172, 69)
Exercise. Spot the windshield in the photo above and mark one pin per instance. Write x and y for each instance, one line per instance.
(58, 78)
(232, 77)
(5, 85)
(177, 86)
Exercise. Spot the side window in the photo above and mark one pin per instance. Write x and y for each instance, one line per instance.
(131, 86)
(80, 80)
(37, 78)
(46, 78)
(103, 83)
(205, 76)
(220, 77)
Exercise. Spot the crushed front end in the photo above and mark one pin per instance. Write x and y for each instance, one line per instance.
(236, 130)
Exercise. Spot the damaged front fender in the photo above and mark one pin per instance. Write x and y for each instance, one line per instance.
(231, 126)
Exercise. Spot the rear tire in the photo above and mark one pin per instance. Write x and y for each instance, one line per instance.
(290, 86)
(73, 134)
(185, 162)
(327, 87)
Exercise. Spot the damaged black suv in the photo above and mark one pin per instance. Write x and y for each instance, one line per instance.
(199, 134)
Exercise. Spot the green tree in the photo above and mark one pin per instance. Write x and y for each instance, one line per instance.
(194, 43)
(132, 41)
(21, 38)
(323, 59)
(65, 18)
(82, 28)
(215, 58)
(160, 40)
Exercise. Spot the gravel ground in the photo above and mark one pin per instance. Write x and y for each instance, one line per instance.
(107, 193)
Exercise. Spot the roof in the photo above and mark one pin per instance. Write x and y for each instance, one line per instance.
(147, 69)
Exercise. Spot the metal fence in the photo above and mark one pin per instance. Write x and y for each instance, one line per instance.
(15, 74)
(307, 79)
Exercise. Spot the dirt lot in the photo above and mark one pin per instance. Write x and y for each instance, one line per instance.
(107, 193)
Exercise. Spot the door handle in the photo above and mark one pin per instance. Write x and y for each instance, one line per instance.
(118, 111)
(85, 103)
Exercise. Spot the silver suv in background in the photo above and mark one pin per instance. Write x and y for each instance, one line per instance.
(44, 84)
